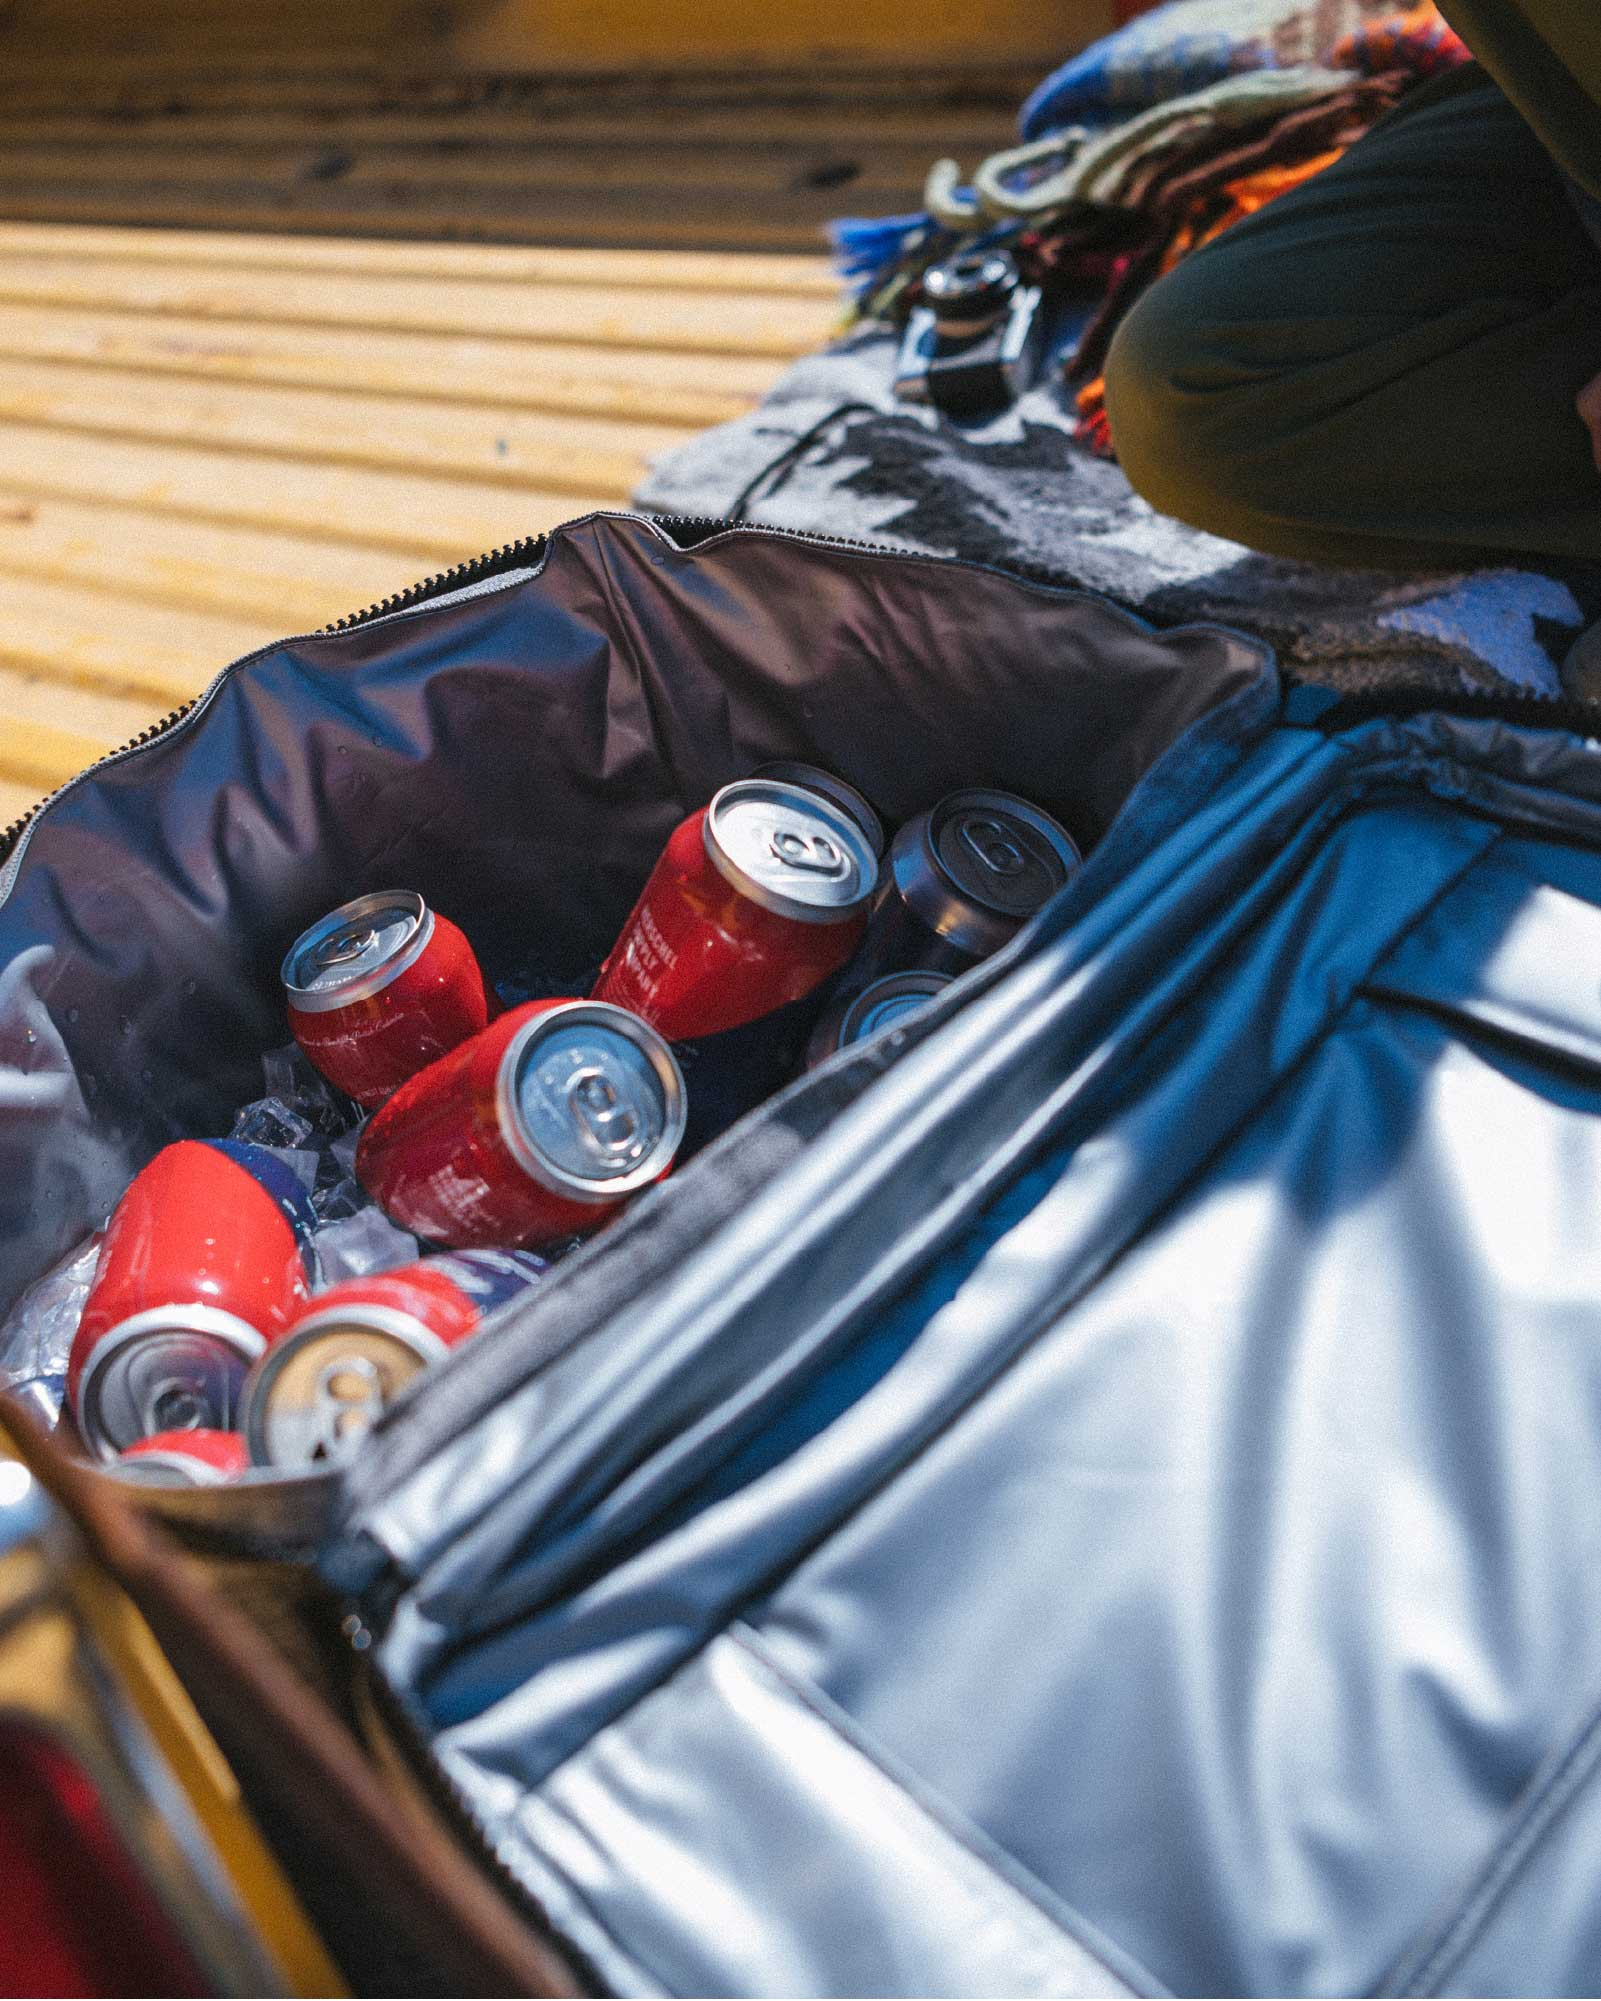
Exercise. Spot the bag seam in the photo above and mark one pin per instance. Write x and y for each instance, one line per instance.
(1546, 1802)
(928, 1804)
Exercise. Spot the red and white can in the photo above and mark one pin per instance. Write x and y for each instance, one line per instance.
(202, 1264)
(539, 1128)
(316, 1393)
(754, 902)
(197, 1458)
(380, 987)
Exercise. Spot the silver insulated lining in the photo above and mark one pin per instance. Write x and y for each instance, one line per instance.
(1120, 1511)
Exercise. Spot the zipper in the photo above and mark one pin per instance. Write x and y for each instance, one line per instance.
(393, 1728)
(1583, 718)
(519, 554)
(457, 577)
(1577, 715)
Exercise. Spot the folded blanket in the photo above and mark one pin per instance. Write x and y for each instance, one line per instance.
(1185, 46)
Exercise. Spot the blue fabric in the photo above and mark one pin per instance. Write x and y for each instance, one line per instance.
(280, 1182)
(1184, 46)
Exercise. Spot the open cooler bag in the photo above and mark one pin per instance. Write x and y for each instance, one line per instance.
(1095, 1492)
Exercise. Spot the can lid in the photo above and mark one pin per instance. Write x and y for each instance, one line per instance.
(813, 778)
(979, 864)
(791, 850)
(355, 951)
(317, 1392)
(590, 1101)
(169, 1368)
(888, 1000)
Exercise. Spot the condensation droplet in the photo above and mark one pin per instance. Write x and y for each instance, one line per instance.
(72, 1014)
(191, 987)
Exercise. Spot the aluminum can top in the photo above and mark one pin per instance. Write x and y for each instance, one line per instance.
(888, 1000)
(172, 1368)
(979, 863)
(790, 850)
(812, 778)
(590, 1101)
(318, 1392)
(355, 951)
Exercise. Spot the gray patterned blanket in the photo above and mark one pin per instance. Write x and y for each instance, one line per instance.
(831, 450)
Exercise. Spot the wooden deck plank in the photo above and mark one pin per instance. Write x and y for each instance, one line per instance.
(675, 389)
(435, 520)
(18, 796)
(741, 324)
(35, 757)
(565, 454)
(404, 144)
(830, 131)
(294, 583)
(120, 646)
(722, 272)
(89, 715)
(65, 76)
(662, 218)
(874, 170)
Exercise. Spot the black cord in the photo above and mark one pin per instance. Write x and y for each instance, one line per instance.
(779, 469)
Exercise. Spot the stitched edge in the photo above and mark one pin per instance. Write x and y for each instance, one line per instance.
(993, 1860)
(1547, 1799)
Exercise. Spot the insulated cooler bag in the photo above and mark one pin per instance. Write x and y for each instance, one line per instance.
(1096, 1492)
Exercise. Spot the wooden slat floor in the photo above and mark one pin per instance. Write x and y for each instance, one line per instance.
(208, 441)
(758, 160)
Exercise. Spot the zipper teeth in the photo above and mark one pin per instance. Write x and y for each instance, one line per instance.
(458, 575)
(409, 1737)
(1581, 715)
(1563, 711)
(12, 834)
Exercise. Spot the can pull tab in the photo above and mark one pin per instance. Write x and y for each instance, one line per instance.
(600, 1113)
(994, 847)
(815, 853)
(348, 944)
(347, 1401)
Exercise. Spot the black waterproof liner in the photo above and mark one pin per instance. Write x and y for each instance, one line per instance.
(518, 751)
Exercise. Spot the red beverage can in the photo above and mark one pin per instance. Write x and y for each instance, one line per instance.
(202, 1264)
(539, 1128)
(755, 901)
(197, 1458)
(380, 987)
(316, 1393)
